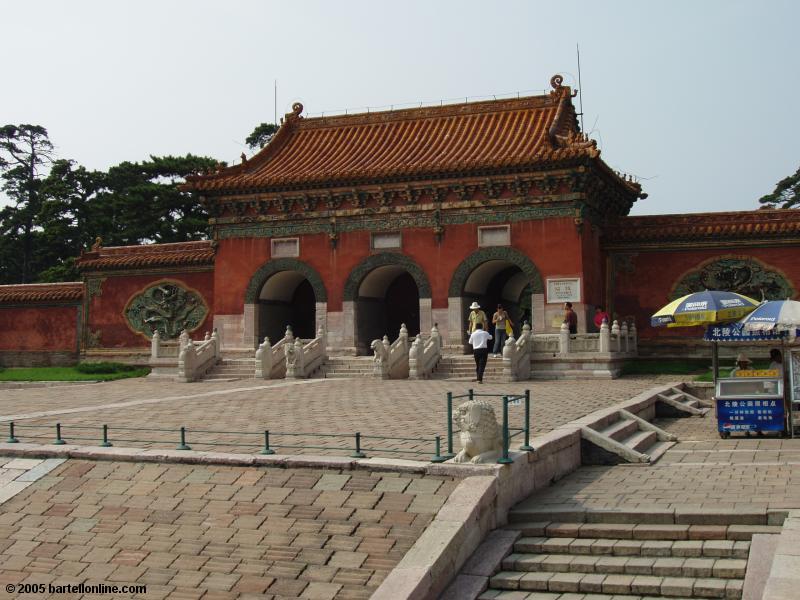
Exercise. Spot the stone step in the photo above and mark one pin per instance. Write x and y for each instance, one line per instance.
(618, 584)
(716, 536)
(641, 440)
(620, 430)
(517, 595)
(736, 549)
(722, 568)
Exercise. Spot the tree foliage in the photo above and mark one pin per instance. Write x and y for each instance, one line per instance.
(58, 207)
(785, 195)
(261, 135)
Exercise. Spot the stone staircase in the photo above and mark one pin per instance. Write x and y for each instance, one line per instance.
(462, 366)
(347, 367)
(678, 401)
(621, 437)
(232, 368)
(639, 559)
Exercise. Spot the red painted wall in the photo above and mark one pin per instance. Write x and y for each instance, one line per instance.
(39, 328)
(106, 309)
(645, 290)
(553, 245)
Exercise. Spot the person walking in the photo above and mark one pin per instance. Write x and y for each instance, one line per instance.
(476, 316)
(570, 318)
(501, 326)
(479, 339)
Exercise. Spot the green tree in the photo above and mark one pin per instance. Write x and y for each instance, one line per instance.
(142, 202)
(25, 151)
(261, 135)
(786, 193)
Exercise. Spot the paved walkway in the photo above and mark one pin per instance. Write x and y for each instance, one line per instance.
(702, 471)
(214, 531)
(399, 409)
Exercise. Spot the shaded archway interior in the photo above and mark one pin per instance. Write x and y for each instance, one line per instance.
(498, 282)
(387, 297)
(286, 298)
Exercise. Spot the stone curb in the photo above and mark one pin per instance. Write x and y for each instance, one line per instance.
(194, 457)
(784, 574)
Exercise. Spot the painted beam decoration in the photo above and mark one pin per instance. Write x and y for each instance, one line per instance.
(166, 307)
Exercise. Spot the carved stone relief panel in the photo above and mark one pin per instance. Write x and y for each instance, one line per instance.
(741, 274)
(167, 307)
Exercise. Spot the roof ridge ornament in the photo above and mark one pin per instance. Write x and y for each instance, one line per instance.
(297, 108)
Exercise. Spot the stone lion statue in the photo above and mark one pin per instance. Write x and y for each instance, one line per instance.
(481, 435)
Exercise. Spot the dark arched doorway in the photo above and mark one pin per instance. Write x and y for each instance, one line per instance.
(286, 298)
(387, 297)
(282, 292)
(493, 276)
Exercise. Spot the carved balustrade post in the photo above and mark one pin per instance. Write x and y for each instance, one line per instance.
(414, 357)
(264, 360)
(617, 346)
(217, 345)
(605, 337)
(510, 359)
(563, 339)
(155, 345)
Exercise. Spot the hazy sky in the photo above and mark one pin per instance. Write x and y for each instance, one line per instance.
(696, 98)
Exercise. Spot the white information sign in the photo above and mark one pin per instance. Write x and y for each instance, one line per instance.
(563, 290)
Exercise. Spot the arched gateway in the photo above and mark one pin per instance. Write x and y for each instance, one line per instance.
(285, 292)
(492, 276)
(386, 290)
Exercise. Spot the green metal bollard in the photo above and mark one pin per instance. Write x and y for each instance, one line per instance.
(471, 394)
(59, 440)
(449, 426)
(437, 458)
(11, 439)
(526, 447)
(504, 460)
(182, 445)
(106, 443)
(358, 453)
(267, 449)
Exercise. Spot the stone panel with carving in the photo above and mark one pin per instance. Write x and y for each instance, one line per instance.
(166, 307)
(742, 275)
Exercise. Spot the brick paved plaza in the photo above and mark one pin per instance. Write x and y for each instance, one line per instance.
(373, 407)
(213, 531)
(192, 531)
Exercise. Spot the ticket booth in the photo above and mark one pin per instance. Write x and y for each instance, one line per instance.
(751, 402)
(757, 401)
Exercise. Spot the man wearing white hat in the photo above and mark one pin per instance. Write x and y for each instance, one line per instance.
(476, 316)
(742, 364)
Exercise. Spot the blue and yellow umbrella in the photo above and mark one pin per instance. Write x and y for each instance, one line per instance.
(703, 308)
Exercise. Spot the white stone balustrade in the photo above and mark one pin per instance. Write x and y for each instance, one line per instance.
(391, 359)
(517, 356)
(195, 359)
(271, 360)
(303, 359)
(424, 355)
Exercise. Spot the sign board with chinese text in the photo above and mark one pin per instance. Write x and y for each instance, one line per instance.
(757, 373)
(750, 415)
(563, 290)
